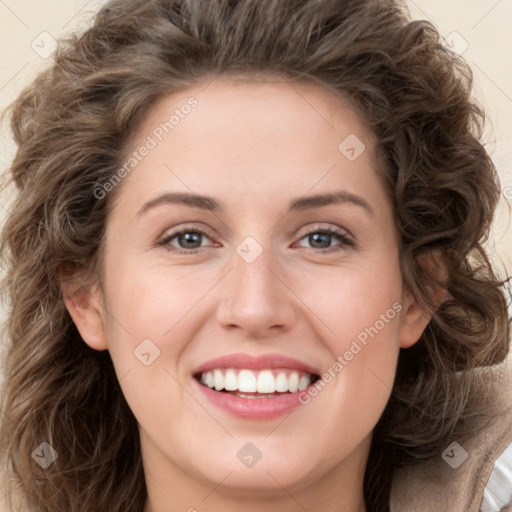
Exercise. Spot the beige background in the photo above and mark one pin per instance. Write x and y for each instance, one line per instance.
(480, 27)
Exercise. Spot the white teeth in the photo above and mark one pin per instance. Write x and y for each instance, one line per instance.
(231, 381)
(266, 382)
(218, 379)
(293, 382)
(248, 381)
(304, 382)
(281, 382)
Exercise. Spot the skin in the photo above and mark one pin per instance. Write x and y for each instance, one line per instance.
(254, 146)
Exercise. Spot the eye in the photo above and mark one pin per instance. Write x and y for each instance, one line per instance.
(188, 240)
(322, 238)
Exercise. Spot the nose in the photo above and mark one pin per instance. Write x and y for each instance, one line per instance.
(256, 298)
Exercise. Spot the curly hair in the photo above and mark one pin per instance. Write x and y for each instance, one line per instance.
(71, 126)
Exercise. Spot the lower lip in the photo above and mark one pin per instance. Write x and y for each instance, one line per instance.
(251, 408)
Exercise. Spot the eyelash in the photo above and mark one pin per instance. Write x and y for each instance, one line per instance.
(341, 235)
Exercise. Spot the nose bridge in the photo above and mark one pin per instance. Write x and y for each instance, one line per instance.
(252, 269)
(254, 298)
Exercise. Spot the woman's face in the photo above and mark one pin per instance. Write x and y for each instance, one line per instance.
(254, 294)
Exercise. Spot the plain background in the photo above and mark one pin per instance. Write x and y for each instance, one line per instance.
(480, 30)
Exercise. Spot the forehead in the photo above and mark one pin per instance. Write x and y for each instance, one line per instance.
(265, 103)
(253, 137)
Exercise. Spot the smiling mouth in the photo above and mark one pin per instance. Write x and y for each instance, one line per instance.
(246, 383)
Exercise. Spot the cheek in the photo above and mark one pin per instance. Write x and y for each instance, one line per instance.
(150, 324)
(360, 311)
(153, 302)
(349, 301)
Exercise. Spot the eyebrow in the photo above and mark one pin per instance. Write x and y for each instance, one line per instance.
(300, 204)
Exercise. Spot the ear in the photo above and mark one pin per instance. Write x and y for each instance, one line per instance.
(414, 321)
(86, 306)
(415, 318)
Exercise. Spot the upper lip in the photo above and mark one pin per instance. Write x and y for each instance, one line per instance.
(262, 362)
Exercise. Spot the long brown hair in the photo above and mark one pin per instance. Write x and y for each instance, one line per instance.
(71, 126)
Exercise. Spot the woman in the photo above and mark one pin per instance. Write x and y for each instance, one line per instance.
(245, 264)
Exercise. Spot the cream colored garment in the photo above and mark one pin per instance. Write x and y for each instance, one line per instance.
(498, 492)
(458, 485)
